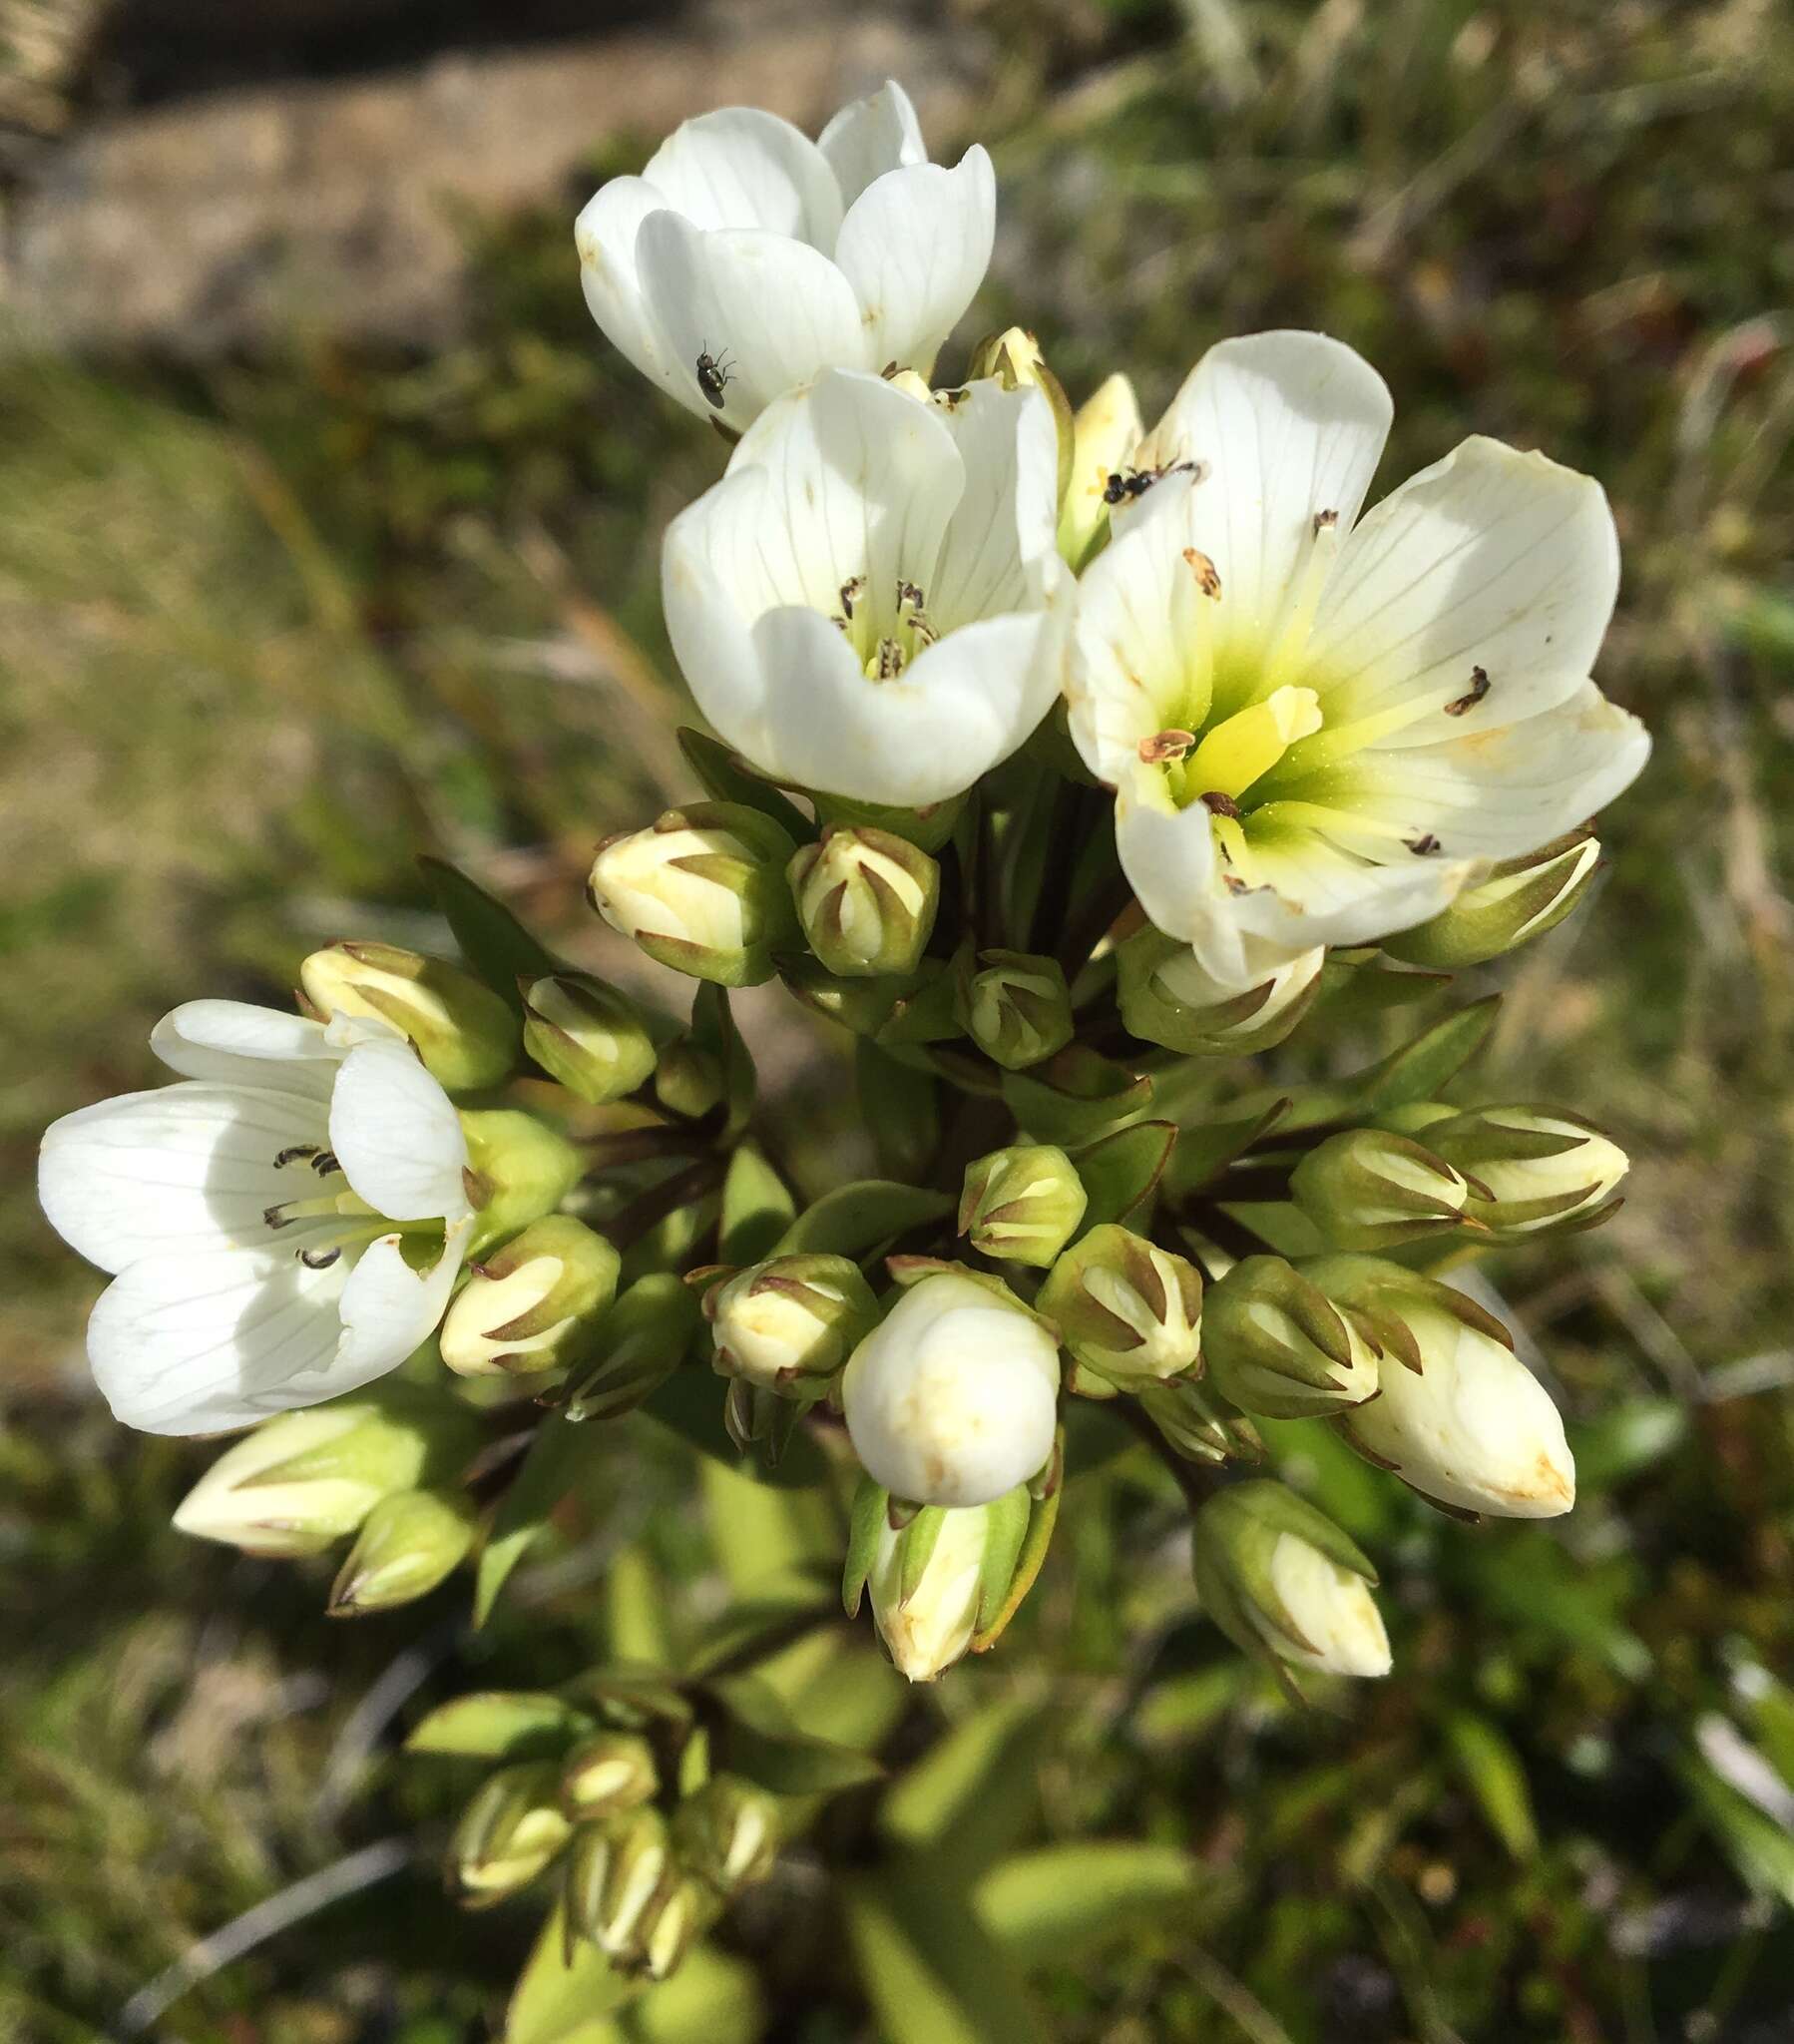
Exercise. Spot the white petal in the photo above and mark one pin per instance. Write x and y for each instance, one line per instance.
(743, 167)
(871, 136)
(768, 311)
(1485, 582)
(1000, 550)
(1285, 427)
(387, 1307)
(1501, 793)
(189, 1165)
(604, 235)
(915, 247)
(1318, 894)
(198, 1344)
(237, 1044)
(1169, 858)
(397, 1136)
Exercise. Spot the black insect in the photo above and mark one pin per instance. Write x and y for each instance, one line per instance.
(1479, 688)
(713, 377)
(1422, 847)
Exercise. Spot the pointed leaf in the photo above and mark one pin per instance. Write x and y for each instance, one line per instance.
(564, 1998)
(495, 944)
(548, 1471)
(975, 1791)
(757, 1208)
(854, 1220)
(1205, 1148)
(1497, 1779)
(1422, 1067)
(1063, 1901)
(1076, 1096)
(501, 1725)
(729, 778)
(932, 1973)
(762, 1741)
(1121, 1172)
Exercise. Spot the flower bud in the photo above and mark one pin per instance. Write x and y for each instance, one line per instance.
(518, 1169)
(1277, 1345)
(702, 890)
(465, 1034)
(1542, 1169)
(1369, 1189)
(608, 1773)
(954, 1398)
(866, 899)
(613, 1872)
(638, 1342)
(671, 1925)
(508, 1834)
(408, 1544)
(942, 1577)
(299, 1482)
(1464, 1422)
(1021, 1205)
(727, 1832)
(1104, 432)
(585, 1035)
(1015, 359)
(688, 1078)
(1015, 1007)
(788, 1319)
(1167, 998)
(1519, 899)
(532, 1304)
(1281, 1580)
(1126, 1308)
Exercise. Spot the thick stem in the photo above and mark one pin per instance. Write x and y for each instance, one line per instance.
(647, 1209)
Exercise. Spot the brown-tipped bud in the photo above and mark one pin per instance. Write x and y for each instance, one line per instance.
(408, 1544)
(790, 1323)
(532, 1304)
(866, 900)
(466, 1035)
(1167, 998)
(1543, 1170)
(585, 1035)
(608, 1773)
(1015, 1006)
(1021, 1205)
(613, 1872)
(508, 1834)
(1277, 1345)
(1519, 899)
(1369, 1189)
(1128, 1310)
(727, 1832)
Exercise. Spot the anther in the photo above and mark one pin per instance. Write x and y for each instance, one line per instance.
(1479, 688)
(293, 1154)
(1168, 745)
(318, 1259)
(1208, 578)
(1220, 805)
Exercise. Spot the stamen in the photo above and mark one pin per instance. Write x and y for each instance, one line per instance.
(851, 589)
(293, 1154)
(1479, 688)
(891, 661)
(1422, 846)
(1219, 805)
(319, 1259)
(1208, 576)
(1168, 745)
(325, 1164)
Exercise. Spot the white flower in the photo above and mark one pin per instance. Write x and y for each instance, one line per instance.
(954, 1398)
(746, 258)
(869, 602)
(1473, 1428)
(1318, 728)
(284, 1223)
(1331, 1606)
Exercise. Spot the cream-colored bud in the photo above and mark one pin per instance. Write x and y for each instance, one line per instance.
(789, 1319)
(866, 899)
(532, 1304)
(1106, 430)
(585, 1035)
(1126, 1308)
(466, 1035)
(937, 1579)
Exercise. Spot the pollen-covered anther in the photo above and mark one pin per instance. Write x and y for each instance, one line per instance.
(1324, 519)
(851, 589)
(1165, 745)
(1208, 577)
(1479, 688)
(1218, 803)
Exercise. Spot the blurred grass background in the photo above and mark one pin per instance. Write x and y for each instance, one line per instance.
(270, 625)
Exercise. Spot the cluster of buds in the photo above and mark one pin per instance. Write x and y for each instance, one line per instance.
(782, 1331)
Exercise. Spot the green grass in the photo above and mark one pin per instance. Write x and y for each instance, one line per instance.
(273, 629)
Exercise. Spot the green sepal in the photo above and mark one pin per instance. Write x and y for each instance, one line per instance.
(1076, 1096)
(864, 1523)
(900, 1106)
(926, 829)
(1021, 1530)
(920, 1538)
(728, 777)
(495, 944)
(502, 1725)
(758, 1207)
(1121, 1172)
(855, 1219)
(1423, 1067)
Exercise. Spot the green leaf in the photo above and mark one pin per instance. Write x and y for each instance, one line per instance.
(757, 1208)
(1063, 1901)
(501, 1725)
(566, 2000)
(1206, 1148)
(901, 1107)
(975, 1791)
(1497, 1779)
(762, 1741)
(713, 1998)
(550, 1470)
(854, 1220)
(1420, 1070)
(713, 1029)
(932, 1973)
(1121, 1172)
(493, 943)
(729, 779)
(1355, 988)
(690, 1402)
(1759, 1848)
(1625, 1442)
(1075, 1096)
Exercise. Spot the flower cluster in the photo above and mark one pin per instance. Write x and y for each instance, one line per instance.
(1053, 757)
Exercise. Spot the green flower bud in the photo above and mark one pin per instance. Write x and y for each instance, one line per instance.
(613, 1872)
(519, 1169)
(1015, 359)
(1015, 1007)
(1104, 432)
(727, 1832)
(862, 1005)
(1285, 1584)
(1167, 998)
(587, 1035)
(943, 1577)
(299, 1482)
(1520, 899)
(638, 1343)
(866, 900)
(408, 1544)
(1126, 1308)
(1544, 1170)
(1460, 1419)
(1277, 1344)
(702, 890)
(671, 1924)
(532, 1304)
(508, 1834)
(465, 1034)
(790, 1323)
(688, 1078)
(1197, 1426)
(608, 1773)
(1370, 1188)
(1021, 1205)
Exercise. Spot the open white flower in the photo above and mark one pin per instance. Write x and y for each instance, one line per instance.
(284, 1223)
(1319, 729)
(746, 258)
(869, 603)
